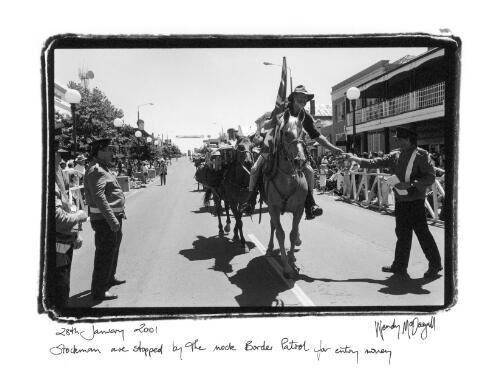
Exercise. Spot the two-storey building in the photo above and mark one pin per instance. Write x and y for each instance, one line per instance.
(407, 93)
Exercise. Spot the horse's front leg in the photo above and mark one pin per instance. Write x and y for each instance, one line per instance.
(239, 222)
(270, 245)
(227, 227)
(235, 229)
(298, 241)
(217, 203)
(294, 233)
(288, 272)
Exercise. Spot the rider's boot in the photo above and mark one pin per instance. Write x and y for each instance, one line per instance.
(249, 206)
(311, 209)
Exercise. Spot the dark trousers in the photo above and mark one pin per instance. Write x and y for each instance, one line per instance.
(162, 179)
(107, 248)
(410, 216)
(61, 280)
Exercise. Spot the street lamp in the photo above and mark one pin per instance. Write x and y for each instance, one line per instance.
(353, 94)
(118, 123)
(73, 97)
(139, 106)
(273, 64)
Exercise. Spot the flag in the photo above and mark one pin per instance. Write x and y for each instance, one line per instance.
(279, 107)
(281, 97)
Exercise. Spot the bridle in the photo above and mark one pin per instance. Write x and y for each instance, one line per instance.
(296, 162)
(241, 157)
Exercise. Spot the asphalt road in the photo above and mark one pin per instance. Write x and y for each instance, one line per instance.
(171, 256)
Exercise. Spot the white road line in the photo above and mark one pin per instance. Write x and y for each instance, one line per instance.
(296, 290)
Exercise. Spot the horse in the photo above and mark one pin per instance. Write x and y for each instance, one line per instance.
(286, 189)
(235, 184)
(212, 181)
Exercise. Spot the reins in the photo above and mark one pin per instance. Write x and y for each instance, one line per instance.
(281, 150)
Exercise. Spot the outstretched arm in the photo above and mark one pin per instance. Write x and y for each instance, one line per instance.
(385, 161)
(325, 143)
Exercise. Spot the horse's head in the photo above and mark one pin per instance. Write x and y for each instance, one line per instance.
(244, 151)
(292, 144)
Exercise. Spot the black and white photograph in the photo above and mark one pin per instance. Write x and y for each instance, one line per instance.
(246, 175)
(249, 194)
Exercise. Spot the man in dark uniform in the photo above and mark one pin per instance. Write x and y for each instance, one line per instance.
(296, 103)
(413, 174)
(66, 240)
(106, 203)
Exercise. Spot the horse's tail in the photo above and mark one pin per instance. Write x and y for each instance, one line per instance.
(206, 197)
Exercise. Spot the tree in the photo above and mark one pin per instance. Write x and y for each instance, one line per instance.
(94, 119)
(95, 113)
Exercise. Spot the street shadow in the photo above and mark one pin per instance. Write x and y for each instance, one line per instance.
(196, 191)
(259, 284)
(203, 209)
(222, 250)
(396, 285)
(82, 299)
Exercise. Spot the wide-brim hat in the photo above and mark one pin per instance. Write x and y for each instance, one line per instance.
(80, 158)
(301, 89)
(403, 132)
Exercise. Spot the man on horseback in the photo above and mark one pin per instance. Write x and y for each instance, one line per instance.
(231, 137)
(295, 107)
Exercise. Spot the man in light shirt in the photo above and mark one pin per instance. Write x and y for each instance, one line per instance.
(413, 173)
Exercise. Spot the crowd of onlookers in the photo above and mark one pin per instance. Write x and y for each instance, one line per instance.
(333, 176)
(74, 169)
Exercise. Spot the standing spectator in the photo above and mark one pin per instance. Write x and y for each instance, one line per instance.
(107, 209)
(413, 175)
(70, 172)
(129, 168)
(61, 183)
(66, 241)
(80, 168)
(163, 173)
(62, 165)
(79, 174)
(323, 171)
(144, 172)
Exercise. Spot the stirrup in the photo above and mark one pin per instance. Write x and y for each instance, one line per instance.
(248, 208)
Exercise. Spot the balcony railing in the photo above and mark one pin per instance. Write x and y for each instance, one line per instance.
(422, 98)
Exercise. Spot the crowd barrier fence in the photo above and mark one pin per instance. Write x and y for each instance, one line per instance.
(355, 183)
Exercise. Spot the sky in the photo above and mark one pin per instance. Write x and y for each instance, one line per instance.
(200, 91)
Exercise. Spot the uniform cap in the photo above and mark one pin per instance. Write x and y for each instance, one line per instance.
(101, 142)
(403, 132)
